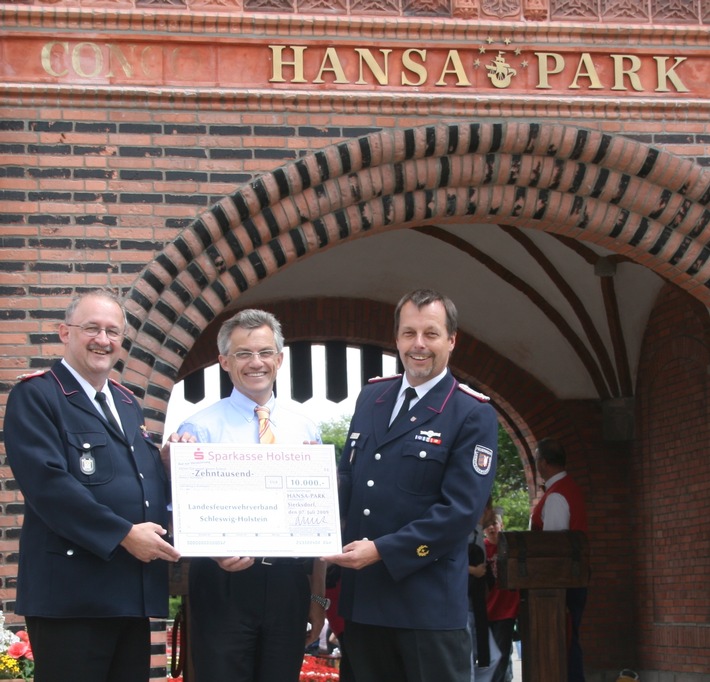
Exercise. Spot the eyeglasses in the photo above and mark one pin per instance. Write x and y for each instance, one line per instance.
(93, 330)
(247, 355)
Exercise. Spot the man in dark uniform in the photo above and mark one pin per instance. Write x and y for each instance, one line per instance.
(414, 477)
(93, 551)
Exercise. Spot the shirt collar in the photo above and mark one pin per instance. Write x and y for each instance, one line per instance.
(422, 389)
(88, 388)
(245, 406)
(553, 479)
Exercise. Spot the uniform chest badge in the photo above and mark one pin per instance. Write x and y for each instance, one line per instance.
(87, 464)
(429, 437)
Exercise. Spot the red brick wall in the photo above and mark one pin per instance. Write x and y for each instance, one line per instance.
(94, 187)
(667, 529)
(92, 195)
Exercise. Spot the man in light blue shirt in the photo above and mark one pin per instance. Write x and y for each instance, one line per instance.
(249, 615)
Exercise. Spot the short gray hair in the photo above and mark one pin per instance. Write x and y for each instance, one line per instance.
(93, 293)
(249, 319)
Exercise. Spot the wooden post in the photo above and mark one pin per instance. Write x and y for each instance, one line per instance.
(543, 627)
(542, 564)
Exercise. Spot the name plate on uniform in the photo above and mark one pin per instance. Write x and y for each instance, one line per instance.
(254, 500)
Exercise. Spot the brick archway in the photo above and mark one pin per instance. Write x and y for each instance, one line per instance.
(631, 198)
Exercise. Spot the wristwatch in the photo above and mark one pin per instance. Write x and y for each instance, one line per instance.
(323, 601)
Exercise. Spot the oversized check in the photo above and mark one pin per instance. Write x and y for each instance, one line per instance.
(254, 500)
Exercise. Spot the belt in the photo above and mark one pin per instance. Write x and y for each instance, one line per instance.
(279, 561)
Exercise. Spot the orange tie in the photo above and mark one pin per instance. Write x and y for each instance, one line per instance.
(266, 435)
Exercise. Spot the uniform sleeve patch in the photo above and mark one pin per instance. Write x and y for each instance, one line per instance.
(482, 460)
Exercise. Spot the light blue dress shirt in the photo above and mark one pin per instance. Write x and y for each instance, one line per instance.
(232, 420)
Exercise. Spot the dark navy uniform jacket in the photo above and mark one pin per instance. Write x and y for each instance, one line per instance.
(71, 563)
(417, 491)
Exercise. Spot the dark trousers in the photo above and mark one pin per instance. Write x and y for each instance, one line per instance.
(90, 649)
(502, 631)
(576, 599)
(248, 626)
(345, 668)
(381, 654)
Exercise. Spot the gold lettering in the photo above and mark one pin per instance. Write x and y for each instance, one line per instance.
(278, 63)
(545, 70)
(184, 62)
(156, 61)
(147, 62)
(457, 69)
(46, 58)
(89, 66)
(665, 74)
(591, 72)
(331, 62)
(381, 76)
(631, 72)
(116, 54)
(410, 65)
(171, 60)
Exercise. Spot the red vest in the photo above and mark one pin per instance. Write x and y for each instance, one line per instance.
(568, 488)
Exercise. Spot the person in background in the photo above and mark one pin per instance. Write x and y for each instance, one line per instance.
(501, 605)
(562, 507)
(485, 654)
(332, 591)
(94, 550)
(417, 470)
(250, 615)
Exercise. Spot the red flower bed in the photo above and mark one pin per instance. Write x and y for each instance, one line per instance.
(315, 668)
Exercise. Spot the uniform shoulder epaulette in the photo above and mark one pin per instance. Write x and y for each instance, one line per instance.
(120, 386)
(375, 380)
(32, 375)
(482, 397)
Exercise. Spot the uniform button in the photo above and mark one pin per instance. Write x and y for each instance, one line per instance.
(378, 456)
(70, 552)
(366, 538)
(86, 446)
(366, 512)
(147, 504)
(370, 484)
(141, 475)
(422, 454)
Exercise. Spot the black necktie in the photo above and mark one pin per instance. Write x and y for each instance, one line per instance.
(409, 395)
(101, 400)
